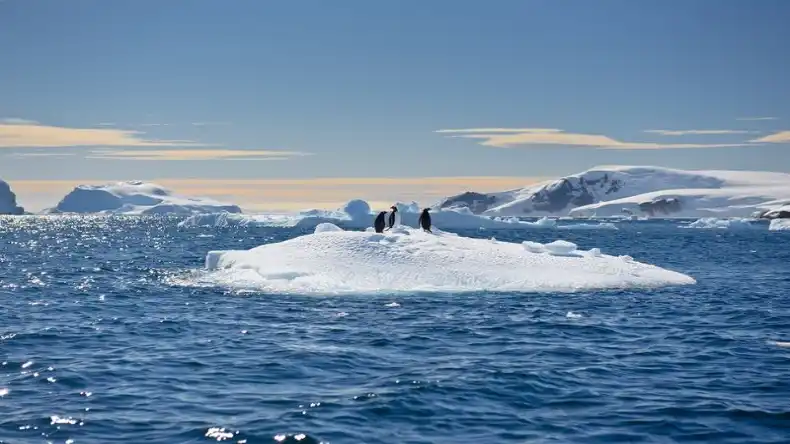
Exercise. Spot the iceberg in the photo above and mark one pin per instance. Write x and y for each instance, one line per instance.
(617, 191)
(8, 203)
(779, 225)
(332, 261)
(357, 214)
(724, 224)
(135, 197)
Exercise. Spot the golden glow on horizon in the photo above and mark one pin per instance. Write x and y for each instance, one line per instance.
(290, 194)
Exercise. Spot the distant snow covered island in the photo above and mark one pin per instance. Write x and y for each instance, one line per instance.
(8, 203)
(135, 197)
(608, 191)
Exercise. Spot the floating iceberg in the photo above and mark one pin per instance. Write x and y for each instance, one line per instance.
(410, 260)
(780, 225)
(357, 214)
(8, 200)
(722, 224)
(135, 197)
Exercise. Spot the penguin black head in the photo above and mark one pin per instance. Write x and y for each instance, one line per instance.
(424, 210)
(394, 208)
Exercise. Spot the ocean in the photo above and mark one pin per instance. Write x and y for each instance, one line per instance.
(107, 335)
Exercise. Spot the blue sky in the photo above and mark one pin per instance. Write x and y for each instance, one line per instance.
(360, 89)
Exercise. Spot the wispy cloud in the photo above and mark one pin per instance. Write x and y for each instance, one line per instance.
(40, 154)
(210, 123)
(696, 132)
(18, 121)
(107, 124)
(507, 139)
(28, 134)
(756, 118)
(780, 137)
(190, 154)
(500, 130)
(154, 124)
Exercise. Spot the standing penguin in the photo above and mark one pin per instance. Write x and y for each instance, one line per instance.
(379, 223)
(393, 220)
(425, 220)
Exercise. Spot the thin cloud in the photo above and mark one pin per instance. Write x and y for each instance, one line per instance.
(210, 123)
(756, 118)
(195, 154)
(696, 132)
(597, 141)
(18, 121)
(44, 154)
(35, 135)
(780, 137)
(500, 130)
(154, 124)
(107, 124)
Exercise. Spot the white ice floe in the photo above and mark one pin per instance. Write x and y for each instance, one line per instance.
(721, 224)
(135, 197)
(357, 214)
(409, 260)
(779, 225)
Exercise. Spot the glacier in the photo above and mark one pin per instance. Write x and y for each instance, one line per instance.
(331, 261)
(135, 197)
(617, 191)
(8, 203)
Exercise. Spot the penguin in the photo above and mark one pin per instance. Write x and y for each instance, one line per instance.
(425, 220)
(380, 222)
(392, 218)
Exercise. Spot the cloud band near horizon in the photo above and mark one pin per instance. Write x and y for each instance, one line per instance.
(507, 138)
(20, 133)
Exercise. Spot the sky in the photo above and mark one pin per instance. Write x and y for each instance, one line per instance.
(290, 105)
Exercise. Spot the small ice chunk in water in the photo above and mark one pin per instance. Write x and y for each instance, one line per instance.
(572, 315)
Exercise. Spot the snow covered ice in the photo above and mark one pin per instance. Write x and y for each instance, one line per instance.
(409, 260)
(779, 225)
(609, 191)
(135, 197)
(722, 224)
(357, 214)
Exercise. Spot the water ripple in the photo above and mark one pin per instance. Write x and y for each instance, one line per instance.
(108, 336)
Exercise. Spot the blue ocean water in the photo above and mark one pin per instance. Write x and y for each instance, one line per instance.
(103, 340)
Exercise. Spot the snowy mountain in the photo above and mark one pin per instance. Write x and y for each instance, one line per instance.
(622, 190)
(135, 197)
(8, 200)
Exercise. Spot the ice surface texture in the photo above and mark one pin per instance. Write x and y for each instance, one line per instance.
(409, 260)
